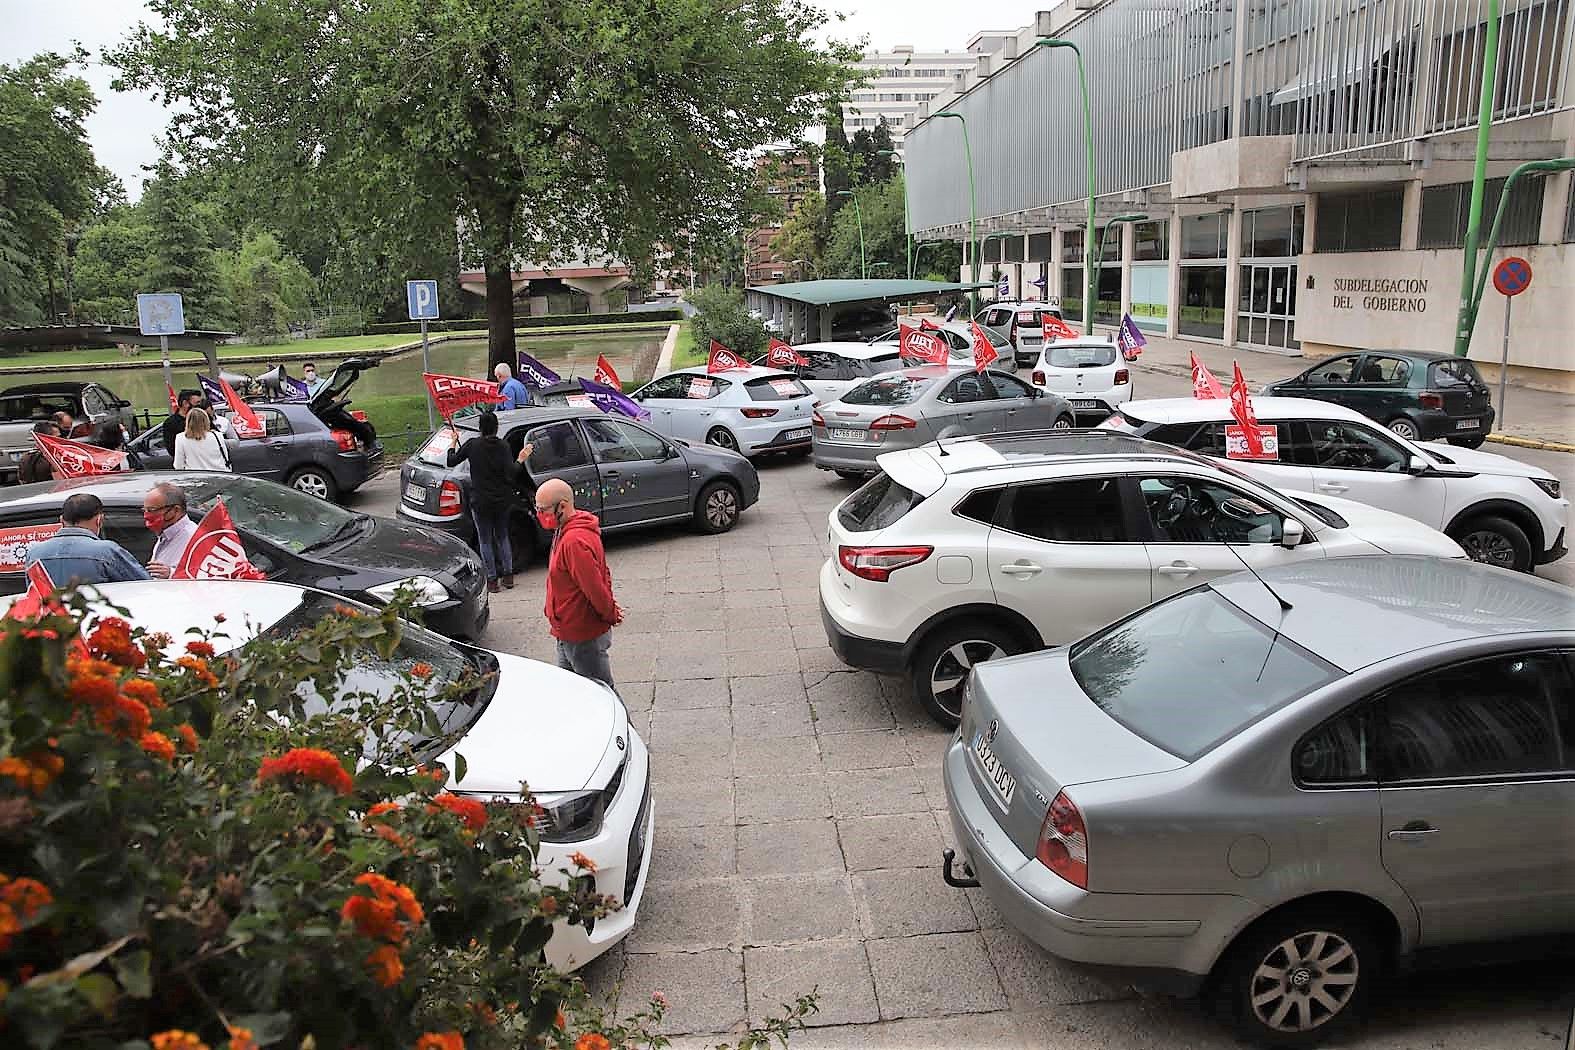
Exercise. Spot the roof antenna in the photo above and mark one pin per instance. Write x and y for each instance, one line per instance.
(927, 423)
(1285, 606)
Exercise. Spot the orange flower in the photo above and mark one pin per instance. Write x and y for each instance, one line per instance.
(383, 915)
(385, 965)
(241, 1038)
(124, 717)
(144, 692)
(580, 860)
(158, 745)
(421, 670)
(188, 736)
(92, 688)
(592, 1041)
(33, 771)
(485, 1011)
(348, 611)
(111, 640)
(199, 670)
(470, 812)
(441, 1041)
(200, 648)
(175, 1039)
(307, 763)
(549, 905)
(558, 1020)
(379, 808)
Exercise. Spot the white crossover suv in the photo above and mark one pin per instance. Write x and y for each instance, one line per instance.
(1502, 511)
(1090, 373)
(961, 552)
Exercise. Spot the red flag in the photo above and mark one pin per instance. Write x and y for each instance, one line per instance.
(73, 459)
(918, 345)
(927, 325)
(174, 401)
(605, 374)
(38, 601)
(1241, 410)
(16, 542)
(247, 425)
(722, 359)
(983, 349)
(452, 393)
(1054, 328)
(1204, 386)
(780, 355)
(215, 551)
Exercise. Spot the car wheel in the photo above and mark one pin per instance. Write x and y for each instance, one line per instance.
(1403, 427)
(1474, 441)
(314, 481)
(1062, 423)
(718, 507)
(942, 663)
(1494, 541)
(722, 437)
(850, 475)
(1297, 978)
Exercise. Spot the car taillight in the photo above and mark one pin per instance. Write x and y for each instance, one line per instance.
(1123, 377)
(358, 415)
(817, 420)
(344, 439)
(1063, 842)
(878, 563)
(758, 413)
(893, 422)
(1039, 379)
(1430, 399)
(448, 499)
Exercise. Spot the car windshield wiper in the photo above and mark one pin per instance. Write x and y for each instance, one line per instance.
(345, 531)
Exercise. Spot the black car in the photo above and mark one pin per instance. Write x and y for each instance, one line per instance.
(291, 536)
(1419, 395)
(625, 474)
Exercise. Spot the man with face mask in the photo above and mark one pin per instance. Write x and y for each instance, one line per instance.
(164, 513)
(309, 377)
(581, 611)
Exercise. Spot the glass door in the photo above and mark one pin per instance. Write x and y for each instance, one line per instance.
(1266, 310)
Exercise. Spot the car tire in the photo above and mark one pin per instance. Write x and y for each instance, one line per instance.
(722, 437)
(941, 662)
(1326, 962)
(718, 507)
(1494, 540)
(1403, 427)
(314, 481)
(1063, 422)
(850, 475)
(1474, 441)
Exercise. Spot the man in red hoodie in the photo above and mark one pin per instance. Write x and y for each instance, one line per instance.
(580, 610)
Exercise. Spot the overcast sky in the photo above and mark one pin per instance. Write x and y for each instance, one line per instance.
(124, 129)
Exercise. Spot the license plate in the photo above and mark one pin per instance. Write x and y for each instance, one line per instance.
(841, 434)
(416, 493)
(1085, 404)
(1004, 783)
(796, 435)
(1468, 424)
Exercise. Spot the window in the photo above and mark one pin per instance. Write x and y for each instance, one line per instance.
(291, 520)
(1447, 209)
(1010, 386)
(1384, 371)
(674, 386)
(555, 446)
(981, 506)
(1334, 370)
(1071, 246)
(1203, 236)
(823, 364)
(1351, 446)
(775, 388)
(1569, 219)
(93, 402)
(1338, 752)
(1509, 715)
(1446, 374)
(871, 366)
(275, 423)
(1187, 510)
(127, 529)
(1088, 510)
(1360, 222)
(1269, 233)
(1153, 240)
(614, 441)
(1082, 355)
(966, 389)
(1039, 247)
(880, 503)
(893, 389)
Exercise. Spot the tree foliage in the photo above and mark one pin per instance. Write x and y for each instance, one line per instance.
(803, 236)
(723, 317)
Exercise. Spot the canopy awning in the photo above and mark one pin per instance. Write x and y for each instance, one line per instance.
(832, 292)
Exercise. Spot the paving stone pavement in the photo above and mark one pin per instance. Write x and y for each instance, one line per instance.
(800, 819)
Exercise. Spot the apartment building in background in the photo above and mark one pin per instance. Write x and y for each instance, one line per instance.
(794, 173)
(900, 79)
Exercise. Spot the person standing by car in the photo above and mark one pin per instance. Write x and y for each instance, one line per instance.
(164, 513)
(309, 377)
(200, 447)
(177, 420)
(581, 610)
(112, 436)
(77, 554)
(34, 466)
(493, 472)
(514, 393)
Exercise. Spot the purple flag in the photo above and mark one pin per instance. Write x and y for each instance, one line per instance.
(1130, 338)
(213, 392)
(607, 399)
(534, 374)
(294, 389)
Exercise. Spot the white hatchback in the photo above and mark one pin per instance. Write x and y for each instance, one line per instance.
(1089, 373)
(567, 737)
(832, 369)
(749, 410)
(1006, 544)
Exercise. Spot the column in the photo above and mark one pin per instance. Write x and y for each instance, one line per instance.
(1556, 191)
(1232, 274)
(1173, 309)
(1411, 215)
(1128, 250)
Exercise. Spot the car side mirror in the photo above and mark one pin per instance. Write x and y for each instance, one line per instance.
(1417, 465)
(1292, 533)
(262, 563)
(669, 452)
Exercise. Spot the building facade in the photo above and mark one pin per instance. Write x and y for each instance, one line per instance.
(1289, 175)
(899, 80)
(790, 174)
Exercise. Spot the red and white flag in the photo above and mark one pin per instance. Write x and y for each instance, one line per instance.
(927, 325)
(780, 355)
(1054, 328)
(605, 373)
(722, 359)
(246, 423)
(174, 401)
(215, 551)
(452, 393)
(1204, 386)
(38, 601)
(16, 542)
(74, 459)
(915, 344)
(983, 350)
(1250, 434)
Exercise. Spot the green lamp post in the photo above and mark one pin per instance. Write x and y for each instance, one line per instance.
(1099, 256)
(1088, 146)
(859, 215)
(973, 208)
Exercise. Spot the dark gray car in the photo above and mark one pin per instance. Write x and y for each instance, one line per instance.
(1278, 788)
(22, 406)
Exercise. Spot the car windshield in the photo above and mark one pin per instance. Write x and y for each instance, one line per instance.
(273, 513)
(893, 388)
(373, 678)
(879, 504)
(1192, 671)
(1070, 355)
(775, 388)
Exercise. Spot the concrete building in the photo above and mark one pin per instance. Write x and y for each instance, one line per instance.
(792, 173)
(1302, 168)
(901, 79)
(537, 285)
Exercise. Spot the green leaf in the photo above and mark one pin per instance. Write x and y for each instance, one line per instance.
(132, 972)
(99, 991)
(460, 767)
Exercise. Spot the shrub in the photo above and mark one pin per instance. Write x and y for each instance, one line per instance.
(722, 316)
(190, 856)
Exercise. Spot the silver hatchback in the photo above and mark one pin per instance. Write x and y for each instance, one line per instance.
(1273, 789)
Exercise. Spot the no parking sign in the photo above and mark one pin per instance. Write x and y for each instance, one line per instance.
(1511, 277)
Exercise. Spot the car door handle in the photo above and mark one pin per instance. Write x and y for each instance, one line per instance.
(609, 473)
(1414, 830)
(278, 445)
(1177, 568)
(1022, 568)
(1332, 486)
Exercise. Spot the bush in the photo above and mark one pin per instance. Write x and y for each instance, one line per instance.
(189, 857)
(722, 316)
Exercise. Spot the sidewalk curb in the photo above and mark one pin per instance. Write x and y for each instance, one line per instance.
(1520, 442)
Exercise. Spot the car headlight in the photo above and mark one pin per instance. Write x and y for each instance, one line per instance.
(1549, 485)
(427, 590)
(577, 815)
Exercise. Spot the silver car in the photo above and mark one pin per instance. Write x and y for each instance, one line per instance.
(1276, 788)
(1020, 323)
(750, 410)
(914, 406)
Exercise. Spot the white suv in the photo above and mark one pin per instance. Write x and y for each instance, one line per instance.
(1000, 545)
(1090, 373)
(1502, 511)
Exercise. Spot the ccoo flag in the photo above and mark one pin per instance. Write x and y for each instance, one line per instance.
(609, 399)
(1054, 328)
(533, 373)
(74, 459)
(1130, 338)
(452, 393)
(1204, 386)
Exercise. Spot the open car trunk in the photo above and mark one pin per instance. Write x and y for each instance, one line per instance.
(332, 406)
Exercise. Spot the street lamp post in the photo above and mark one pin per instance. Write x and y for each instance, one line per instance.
(859, 215)
(1088, 145)
(987, 238)
(1099, 256)
(907, 225)
(973, 208)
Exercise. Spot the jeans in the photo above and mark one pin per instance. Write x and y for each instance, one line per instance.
(588, 659)
(492, 537)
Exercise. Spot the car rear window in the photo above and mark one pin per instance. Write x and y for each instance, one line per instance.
(1446, 374)
(893, 388)
(435, 451)
(884, 363)
(1193, 671)
(1064, 356)
(879, 504)
(775, 388)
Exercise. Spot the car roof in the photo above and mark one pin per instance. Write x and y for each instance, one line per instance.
(856, 350)
(748, 373)
(531, 415)
(1034, 304)
(1104, 342)
(75, 387)
(1266, 409)
(1354, 612)
(1416, 355)
(1026, 448)
(123, 488)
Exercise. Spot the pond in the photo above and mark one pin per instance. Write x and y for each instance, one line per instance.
(632, 354)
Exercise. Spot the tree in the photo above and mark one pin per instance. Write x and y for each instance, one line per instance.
(885, 239)
(182, 232)
(549, 129)
(803, 236)
(723, 316)
(111, 265)
(267, 288)
(880, 169)
(837, 162)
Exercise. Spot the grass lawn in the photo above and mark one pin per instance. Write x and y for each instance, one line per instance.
(685, 353)
(392, 416)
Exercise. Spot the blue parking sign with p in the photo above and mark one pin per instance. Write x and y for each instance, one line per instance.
(423, 300)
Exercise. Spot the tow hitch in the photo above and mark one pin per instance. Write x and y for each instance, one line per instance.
(966, 881)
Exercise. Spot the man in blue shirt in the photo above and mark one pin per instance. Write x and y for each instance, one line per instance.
(514, 393)
(77, 555)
